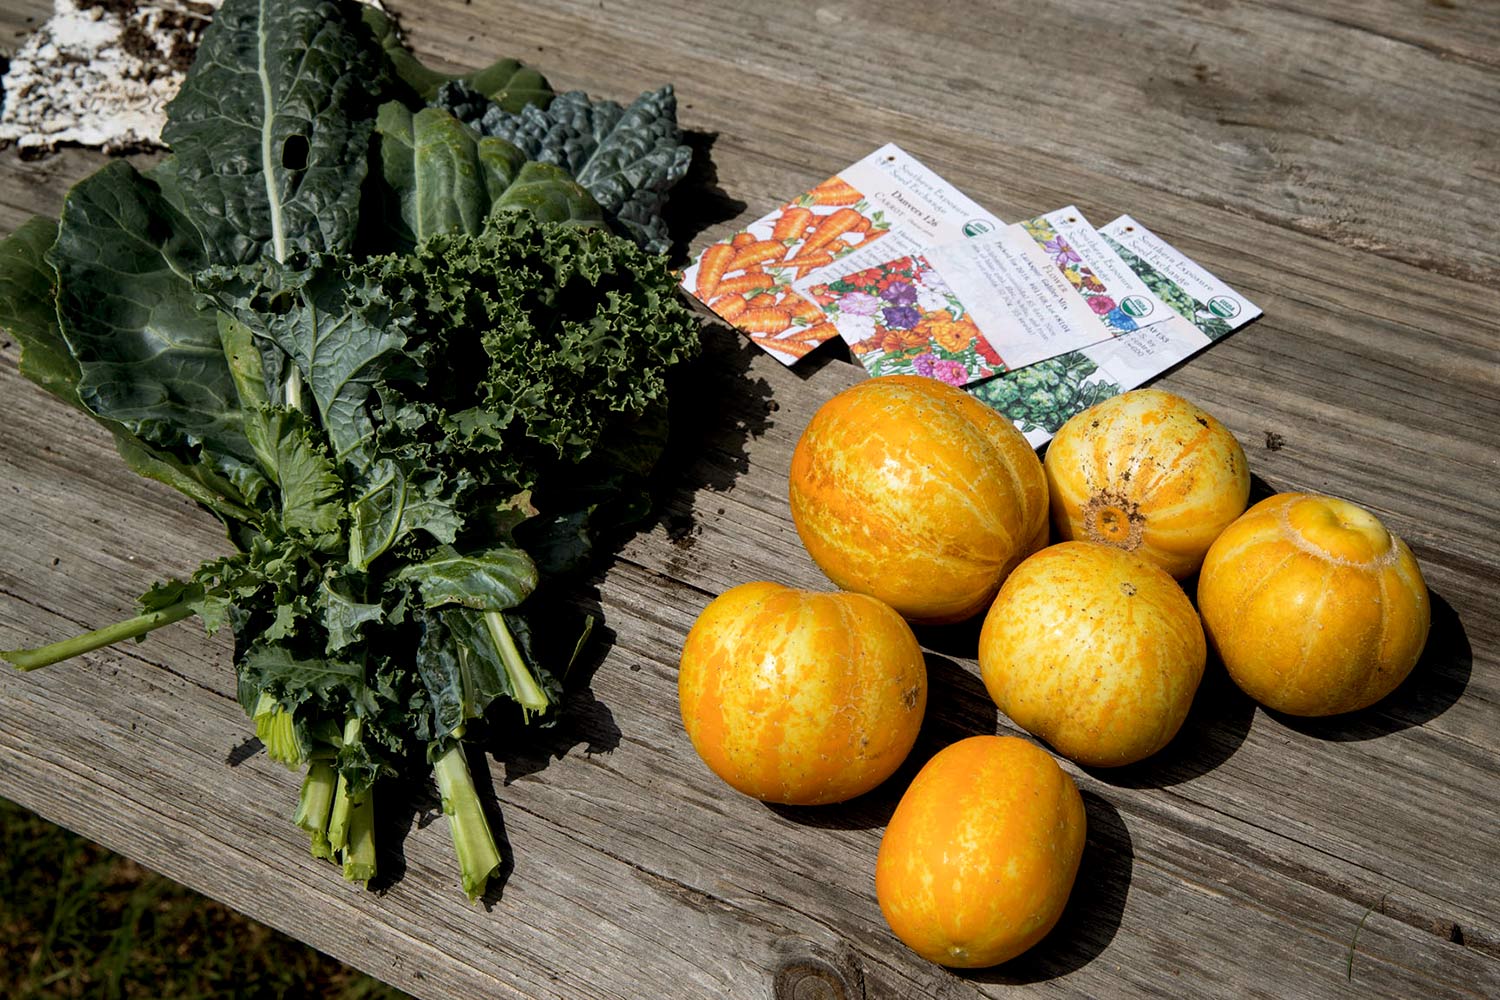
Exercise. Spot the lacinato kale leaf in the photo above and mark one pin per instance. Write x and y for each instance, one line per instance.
(627, 158)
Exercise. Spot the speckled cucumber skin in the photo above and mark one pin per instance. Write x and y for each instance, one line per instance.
(798, 697)
(912, 491)
(1315, 608)
(1094, 650)
(979, 858)
(1149, 472)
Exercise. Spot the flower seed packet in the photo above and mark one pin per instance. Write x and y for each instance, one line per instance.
(757, 279)
(967, 311)
(1199, 309)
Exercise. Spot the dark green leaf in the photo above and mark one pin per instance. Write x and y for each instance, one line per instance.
(311, 492)
(149, 358)
(343, 617)
(506, 82)
(28, 309)
(487, 581)
(337, 333)
(271, 128)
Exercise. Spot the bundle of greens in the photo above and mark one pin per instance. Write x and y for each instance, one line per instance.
(406, 365)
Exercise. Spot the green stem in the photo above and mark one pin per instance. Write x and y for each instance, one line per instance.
(275, 728)
(359, 851)
(338, 817)
(343, 803)
(30, 659)
(527, 691)
(478, 857)
(315, 805)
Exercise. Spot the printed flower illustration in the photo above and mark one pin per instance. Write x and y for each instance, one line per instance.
(1121, 320)
(1061, 252)
(1091, 283)
(859, 304)
(986, 350)
(901, 317)
(942, 369)
(900, 293)
(1101, 304)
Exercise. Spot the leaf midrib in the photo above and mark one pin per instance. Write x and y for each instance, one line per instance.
(278, 236)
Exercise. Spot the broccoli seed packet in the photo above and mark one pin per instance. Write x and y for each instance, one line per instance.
(1198, 307)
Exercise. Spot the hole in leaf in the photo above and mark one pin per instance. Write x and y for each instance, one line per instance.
(294, 152)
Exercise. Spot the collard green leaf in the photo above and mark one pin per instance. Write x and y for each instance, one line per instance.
(506, 82)
(271, 128)
(546, 192)
(149, 358)
(493, 580)
(28, 309)
(445, 178)
(443, 175)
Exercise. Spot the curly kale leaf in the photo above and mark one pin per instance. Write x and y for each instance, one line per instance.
(628, 158)
(536, 341)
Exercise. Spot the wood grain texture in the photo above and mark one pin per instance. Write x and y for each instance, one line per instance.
(1347, 190)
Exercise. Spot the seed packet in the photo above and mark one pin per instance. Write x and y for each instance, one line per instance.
(1199, 309)
(757, 279)
(966, 311)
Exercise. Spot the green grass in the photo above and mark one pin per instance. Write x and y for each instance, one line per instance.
(78, 921)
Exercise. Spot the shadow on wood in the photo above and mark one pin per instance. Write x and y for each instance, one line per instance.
(1434, 686)
(1094, 910)
(1216, 725)
(957, 707)
(698, 202)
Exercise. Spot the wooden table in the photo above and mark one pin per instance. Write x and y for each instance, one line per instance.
(1337, 162)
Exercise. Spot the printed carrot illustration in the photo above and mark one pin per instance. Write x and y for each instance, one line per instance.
(796, 348)
(835, 191)
(765, 300)
(752, 282)
(831, 228)
(711, 269)
(802, 308)
(742, 239)
(758, 252)
(792, 224)
(816, 334)
(768, 320)
(731, 307)
(815, 259)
